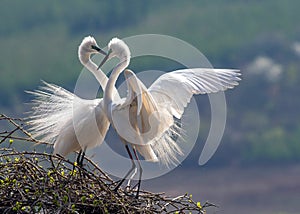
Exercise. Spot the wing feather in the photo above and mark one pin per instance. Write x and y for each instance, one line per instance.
(175, 89)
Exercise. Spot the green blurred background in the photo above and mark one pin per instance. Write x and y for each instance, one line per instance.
(39, 40)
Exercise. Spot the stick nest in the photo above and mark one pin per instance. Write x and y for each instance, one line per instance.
(38, 182)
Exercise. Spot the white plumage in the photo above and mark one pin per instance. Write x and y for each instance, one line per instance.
(62, 118)
(148, 114)
(66, 120)
(174, 90)
(144, 119)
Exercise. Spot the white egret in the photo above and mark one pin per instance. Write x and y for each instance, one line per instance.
(66, 120)
(145, 118)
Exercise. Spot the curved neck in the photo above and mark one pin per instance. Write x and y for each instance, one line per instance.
(108, 92)
(99, 74)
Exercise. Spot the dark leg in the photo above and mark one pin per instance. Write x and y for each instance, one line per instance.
(140, 175)
(129, 172)
(80, 161)
(78, 157)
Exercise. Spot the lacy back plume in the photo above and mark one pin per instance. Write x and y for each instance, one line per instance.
(52, 107)
(167, 147)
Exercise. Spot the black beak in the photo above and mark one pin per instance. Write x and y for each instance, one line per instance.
(103, 61)
(99, 50)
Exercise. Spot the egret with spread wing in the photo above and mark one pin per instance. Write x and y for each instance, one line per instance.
(144, 119)
(66, 120)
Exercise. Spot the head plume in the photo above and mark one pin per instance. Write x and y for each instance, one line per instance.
(85, 49)
(119, 48)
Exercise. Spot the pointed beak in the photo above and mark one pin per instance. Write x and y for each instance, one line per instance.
(104, 60)
(99, 50)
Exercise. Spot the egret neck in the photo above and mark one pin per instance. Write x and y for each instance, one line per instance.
(109, 89)
(99, 75)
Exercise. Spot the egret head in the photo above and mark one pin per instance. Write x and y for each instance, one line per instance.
(117, 48)
(87, 47)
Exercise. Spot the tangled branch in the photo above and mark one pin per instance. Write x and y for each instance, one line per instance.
(35, 182)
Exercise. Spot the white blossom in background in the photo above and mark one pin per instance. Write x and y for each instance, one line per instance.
(296, 48)
(263, 65)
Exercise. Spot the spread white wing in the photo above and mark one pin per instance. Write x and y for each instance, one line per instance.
(174, 90)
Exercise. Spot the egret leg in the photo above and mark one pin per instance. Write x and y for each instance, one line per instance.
(131, 177)
(80, 161)
(140, 174)
(78, 157)
(130, 170)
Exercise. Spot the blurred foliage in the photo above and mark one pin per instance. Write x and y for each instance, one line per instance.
(39, 40)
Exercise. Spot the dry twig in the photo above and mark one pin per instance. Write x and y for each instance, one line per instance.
(34, 182)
